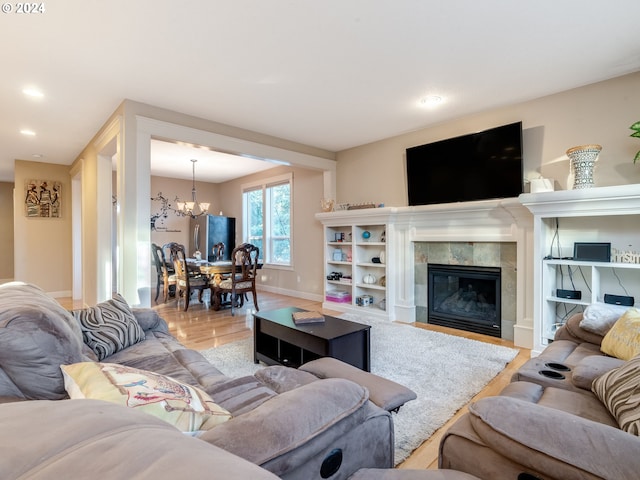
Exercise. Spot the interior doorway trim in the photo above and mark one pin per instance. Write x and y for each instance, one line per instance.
(147, 128)
(227, 144)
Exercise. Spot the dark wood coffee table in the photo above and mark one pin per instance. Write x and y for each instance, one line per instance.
(277, 340)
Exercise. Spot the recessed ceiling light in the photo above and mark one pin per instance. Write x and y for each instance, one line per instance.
(37, 155)
(431, 100)
(33, 92)
(29, 133)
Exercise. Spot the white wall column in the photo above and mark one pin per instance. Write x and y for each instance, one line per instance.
(134, 234)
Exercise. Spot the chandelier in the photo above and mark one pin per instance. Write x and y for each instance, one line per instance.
(189, 209)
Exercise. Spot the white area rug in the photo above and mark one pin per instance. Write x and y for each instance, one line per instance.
(444, 370)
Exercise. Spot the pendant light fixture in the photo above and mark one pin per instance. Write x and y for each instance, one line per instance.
(193, 208)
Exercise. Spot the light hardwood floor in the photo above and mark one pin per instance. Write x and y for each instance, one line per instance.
(200, 328)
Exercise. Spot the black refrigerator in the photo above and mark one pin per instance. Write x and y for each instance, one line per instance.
(207, 230)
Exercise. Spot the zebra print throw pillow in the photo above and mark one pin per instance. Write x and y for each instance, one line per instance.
(109, 327)
(619, 390)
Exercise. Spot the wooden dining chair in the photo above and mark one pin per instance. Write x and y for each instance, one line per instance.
(244, 262)
(165, 273)
(187, 280)
(166, 250)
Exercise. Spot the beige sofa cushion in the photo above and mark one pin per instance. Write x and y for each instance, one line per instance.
(619, 390)
(184, 406)
(623, 340)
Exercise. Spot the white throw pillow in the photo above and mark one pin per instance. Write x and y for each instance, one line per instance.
(600, 317)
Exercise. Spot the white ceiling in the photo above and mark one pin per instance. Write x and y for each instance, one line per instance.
(173, 160)
(332, 74)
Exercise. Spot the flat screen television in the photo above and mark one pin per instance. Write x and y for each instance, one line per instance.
(479, 166)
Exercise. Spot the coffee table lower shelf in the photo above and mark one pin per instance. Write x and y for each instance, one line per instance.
(278, 341)
(274, 351)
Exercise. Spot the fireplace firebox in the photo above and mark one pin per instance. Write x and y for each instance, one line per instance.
(465, 297)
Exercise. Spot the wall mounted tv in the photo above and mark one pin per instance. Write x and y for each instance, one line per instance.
(479, 166)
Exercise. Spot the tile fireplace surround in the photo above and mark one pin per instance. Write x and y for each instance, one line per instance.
(505, 225)
(477, 254)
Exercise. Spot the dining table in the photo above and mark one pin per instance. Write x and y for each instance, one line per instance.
(211, 268)
(219, 268)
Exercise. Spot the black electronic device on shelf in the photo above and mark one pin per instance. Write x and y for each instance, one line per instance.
(619, 300)
(570, 294)
(592, 251)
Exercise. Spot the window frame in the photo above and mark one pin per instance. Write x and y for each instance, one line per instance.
(267, 237)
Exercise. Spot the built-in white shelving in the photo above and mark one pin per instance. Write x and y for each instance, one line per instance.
(603, 214)
(354, 281)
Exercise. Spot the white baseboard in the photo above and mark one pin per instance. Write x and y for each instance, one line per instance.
(523, 336)
(291, 293)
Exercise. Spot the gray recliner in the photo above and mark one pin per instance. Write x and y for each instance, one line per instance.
(547, 426)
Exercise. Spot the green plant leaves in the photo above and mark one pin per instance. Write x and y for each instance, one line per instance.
(636, 128)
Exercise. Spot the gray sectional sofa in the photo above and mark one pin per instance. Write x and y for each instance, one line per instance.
(578, 422)
(292, 423)
(126, 444)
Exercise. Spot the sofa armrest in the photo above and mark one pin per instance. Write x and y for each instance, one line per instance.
(290, 420)
(149, 320)
(555, 442)
(591, 367)
(383, 392)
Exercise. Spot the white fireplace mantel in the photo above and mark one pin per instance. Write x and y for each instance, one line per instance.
(503, 220)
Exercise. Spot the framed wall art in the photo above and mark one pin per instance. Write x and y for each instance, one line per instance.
(43, 199)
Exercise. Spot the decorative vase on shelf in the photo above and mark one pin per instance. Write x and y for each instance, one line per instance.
(327, 204)
(583, 161)
(369, 279)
